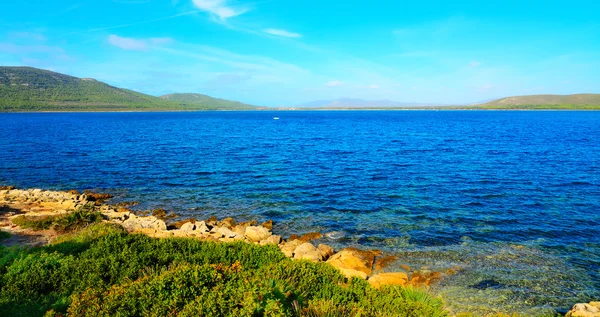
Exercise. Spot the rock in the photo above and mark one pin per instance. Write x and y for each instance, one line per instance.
(310, 236)
(151, 222)
(302, 249)
(228, 222)
(256, 234)
(202, 227)
(226, 233)
(274, 239)
(314, 256)
(397, 278)
(239, 229)
(350, 273)
(326, 250)
(289, 247)
(383, 262)
(188, 227)
(585, 310)
(212, 221)
(268, 224)
(335, 235)
(354, 259)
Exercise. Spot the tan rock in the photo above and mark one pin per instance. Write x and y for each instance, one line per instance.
(302, 249)
(201, 227)
(228, 222)
(397, 278)
(326, 250)
(268, 224)
(314, 256)
(585, 310)
(289, 247)
(256, 234)
(274, 239)
(351, 258)
(226, 233)
(239, 229)
(350, 273)
(310, 236)
(188, 227)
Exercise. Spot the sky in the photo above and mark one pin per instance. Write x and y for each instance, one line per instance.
(285, 53)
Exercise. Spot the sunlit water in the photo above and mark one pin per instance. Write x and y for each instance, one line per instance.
(512, 198)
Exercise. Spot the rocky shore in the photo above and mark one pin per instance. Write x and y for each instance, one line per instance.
(371, 265)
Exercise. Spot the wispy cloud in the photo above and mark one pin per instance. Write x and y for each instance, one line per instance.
(334, 83)
(373, 86)
(219, 8)
(135, 24)
(132, 44)
(284, 33)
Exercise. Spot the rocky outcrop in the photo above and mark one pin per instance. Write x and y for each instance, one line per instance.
(591, 309)
(256, 233)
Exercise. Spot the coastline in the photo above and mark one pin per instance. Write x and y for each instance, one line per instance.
(369, 265)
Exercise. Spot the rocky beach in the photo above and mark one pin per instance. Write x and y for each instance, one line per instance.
(17, 205)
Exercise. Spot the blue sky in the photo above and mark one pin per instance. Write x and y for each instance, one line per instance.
(282, 53)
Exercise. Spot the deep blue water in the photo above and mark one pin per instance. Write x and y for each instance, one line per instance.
(513, 197)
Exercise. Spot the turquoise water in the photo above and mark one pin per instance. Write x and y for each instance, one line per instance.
(511, 197)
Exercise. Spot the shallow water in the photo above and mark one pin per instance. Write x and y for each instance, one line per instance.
(512, 197)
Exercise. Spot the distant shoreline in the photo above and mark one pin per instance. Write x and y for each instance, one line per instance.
(289, 110)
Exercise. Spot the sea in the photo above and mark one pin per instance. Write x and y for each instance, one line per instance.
(508, 199)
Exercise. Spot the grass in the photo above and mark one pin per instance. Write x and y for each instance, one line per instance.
(102, 270)
(61, 223)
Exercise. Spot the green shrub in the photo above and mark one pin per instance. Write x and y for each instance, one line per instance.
(102, 270)
(4, 235)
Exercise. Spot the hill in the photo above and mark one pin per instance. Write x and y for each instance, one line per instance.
(32, 89)
(350, 103)
(206, 102)
(578, 101)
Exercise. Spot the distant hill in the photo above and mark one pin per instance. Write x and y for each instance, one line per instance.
(32, 89)
(578, 101)
(346, 103)
(206, 102)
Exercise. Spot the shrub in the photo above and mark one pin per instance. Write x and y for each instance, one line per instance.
(102, 270)
(4, 235)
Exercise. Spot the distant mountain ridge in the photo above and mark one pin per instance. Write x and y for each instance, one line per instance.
(344, 103)
(32, 89)
(576, 99)
(192, 99)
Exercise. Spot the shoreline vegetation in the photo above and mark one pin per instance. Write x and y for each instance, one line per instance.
(74, 254)
(27, 89)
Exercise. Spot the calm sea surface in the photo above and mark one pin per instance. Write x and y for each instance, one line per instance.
(512, 198)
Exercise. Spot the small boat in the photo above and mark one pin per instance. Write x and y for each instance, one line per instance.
(275, 118)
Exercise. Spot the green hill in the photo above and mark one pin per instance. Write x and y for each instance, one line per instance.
(578, 101)
(207, 102)
(31, 89)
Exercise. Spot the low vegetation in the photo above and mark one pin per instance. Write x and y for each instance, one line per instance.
(4, 235)
(102, 270)
(61, 223)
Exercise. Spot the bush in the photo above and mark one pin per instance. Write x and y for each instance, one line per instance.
(102, 270)
(4, 235)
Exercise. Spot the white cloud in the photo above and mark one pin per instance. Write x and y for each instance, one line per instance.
(334, 83)
(373, 86)
(284, 33)
(218, 8)
(474, 64)
(132, 44)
